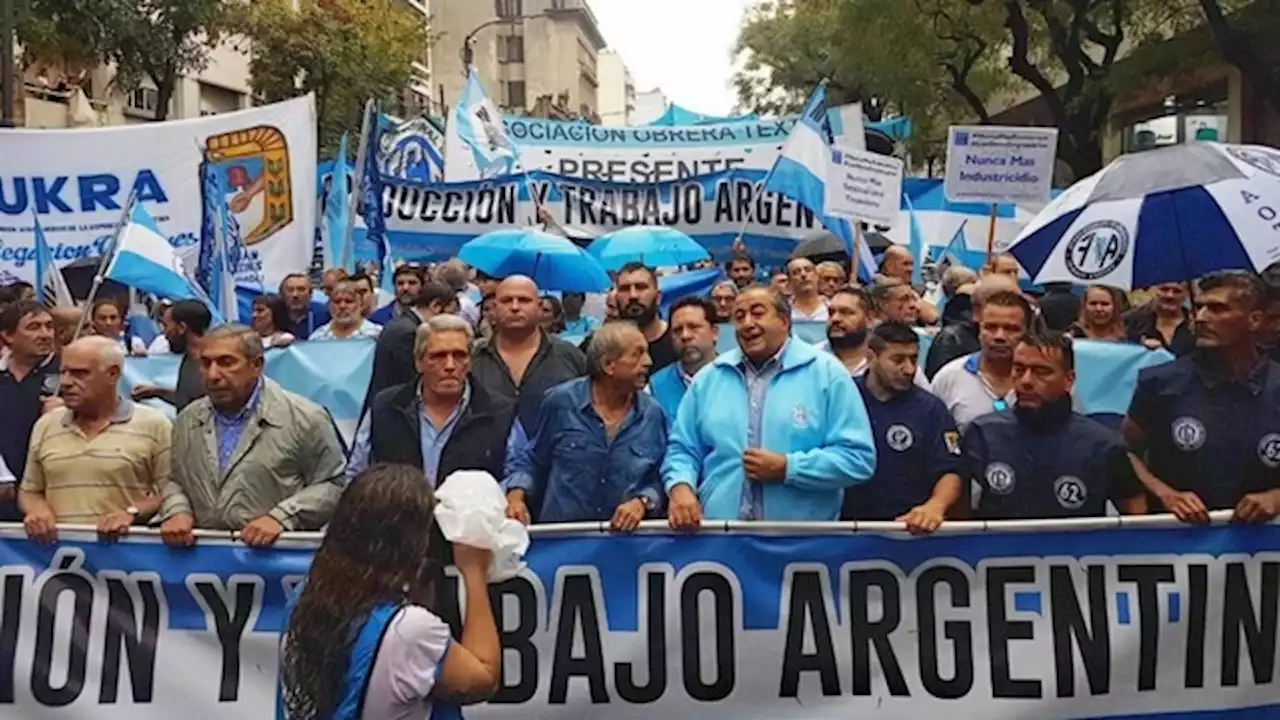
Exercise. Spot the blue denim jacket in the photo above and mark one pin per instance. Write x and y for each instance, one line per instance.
(570, 469)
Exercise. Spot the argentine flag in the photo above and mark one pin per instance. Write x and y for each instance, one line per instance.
(51, 286)
(144, 260)
(800, 173)
(480, 128)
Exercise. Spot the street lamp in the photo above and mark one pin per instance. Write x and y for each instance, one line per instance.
(468, 55)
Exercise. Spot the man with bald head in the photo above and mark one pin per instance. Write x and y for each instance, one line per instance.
(98, 460)
(65, 321)
(520, 362)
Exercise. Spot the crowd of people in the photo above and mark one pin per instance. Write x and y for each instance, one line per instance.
(644, 419)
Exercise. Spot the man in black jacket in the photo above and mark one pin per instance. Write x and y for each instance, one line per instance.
(441, 423)
(393, 359)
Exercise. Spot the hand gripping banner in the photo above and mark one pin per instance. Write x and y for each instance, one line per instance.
(1046, 620)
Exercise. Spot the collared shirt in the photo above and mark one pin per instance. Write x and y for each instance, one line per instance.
(554, 362)
(83, 478)
(575, 470)
(368, 329)
(758, 379)
(967, 393)
(20, 406)
(230, 427)
(431, 439)
(1209, 433)
(315, 317)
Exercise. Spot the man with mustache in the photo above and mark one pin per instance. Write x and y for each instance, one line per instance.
(982, 383)
(831, 277)
(1203, 431)
(722, 296)
(774, 430)
(636, 290)
(849, 329)
(693, 335)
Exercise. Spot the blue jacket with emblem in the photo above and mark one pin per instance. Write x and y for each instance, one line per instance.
(813, 414)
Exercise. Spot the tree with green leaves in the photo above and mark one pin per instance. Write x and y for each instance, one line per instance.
(159, 40)
(344, 51)
(1245, 34)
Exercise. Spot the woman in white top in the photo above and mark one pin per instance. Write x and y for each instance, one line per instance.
(108, 321)
(361, 642)
(270, 314)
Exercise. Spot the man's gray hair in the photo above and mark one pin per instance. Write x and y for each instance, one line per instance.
(833, 265)
(108, 352)
(247, 339)
(733, 286)
(439, 324)
(955, 276)
(454, 274)
(607, 343)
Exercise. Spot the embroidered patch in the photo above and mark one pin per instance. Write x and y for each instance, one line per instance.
(1071, 492)
(999, 478)
(1188, 434)
(900, 438)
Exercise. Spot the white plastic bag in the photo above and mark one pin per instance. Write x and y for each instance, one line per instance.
(471, 509)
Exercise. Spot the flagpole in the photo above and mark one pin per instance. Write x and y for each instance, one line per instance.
(99, 276)
(857, 251)
(357, 193)
(991, 233)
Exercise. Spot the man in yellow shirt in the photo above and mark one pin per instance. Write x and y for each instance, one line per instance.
(99, 460)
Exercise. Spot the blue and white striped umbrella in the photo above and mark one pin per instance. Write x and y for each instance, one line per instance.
(1165, 215)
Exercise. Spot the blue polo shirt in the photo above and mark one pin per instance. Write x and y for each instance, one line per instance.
(916, 443)
(1067, 468)
(1209, 433)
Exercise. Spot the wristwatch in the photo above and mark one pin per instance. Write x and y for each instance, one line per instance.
(133, 512)
(649, 504)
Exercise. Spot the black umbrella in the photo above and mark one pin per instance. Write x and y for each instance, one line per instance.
(79, 276)
(824, 245)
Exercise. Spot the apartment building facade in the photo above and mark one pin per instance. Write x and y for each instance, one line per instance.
(528, 53)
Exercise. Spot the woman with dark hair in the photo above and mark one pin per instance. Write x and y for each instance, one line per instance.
(551, 314)
(1101, 315)
(360, 640)
(270, 316)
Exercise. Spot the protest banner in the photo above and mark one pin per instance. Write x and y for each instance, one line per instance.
(1052, 620)
(647, 154)
(430, 223)
(864, 186)
(994, 164)
(78, 182)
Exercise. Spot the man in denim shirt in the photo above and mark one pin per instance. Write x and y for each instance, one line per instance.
(597, 447)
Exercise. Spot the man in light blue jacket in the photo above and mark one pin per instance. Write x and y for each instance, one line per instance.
(774, 430)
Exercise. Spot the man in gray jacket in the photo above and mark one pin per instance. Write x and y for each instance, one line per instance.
(250, 456)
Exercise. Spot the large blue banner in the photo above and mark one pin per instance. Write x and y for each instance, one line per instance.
(1047, 621)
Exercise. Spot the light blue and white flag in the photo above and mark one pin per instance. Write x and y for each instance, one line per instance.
(800, 172)
(51, 286)
(481, 131)
(220, 245)
(144, 260)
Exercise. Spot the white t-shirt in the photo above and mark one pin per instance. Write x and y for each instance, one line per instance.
(407, 667)
(969, 396)
(820, 314)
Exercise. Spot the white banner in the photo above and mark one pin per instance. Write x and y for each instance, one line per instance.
(644, 154)
(78, 181)
(864, 186)
(991, 164)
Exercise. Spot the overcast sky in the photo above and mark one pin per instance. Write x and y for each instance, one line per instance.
(681, 46)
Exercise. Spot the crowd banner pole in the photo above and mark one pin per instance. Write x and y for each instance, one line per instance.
(1166, 520)
(357, 192)
(991, 232)
(99, 275)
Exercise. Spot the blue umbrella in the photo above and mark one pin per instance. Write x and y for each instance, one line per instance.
(553, 262)
(653, 246)
(1165, 215)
